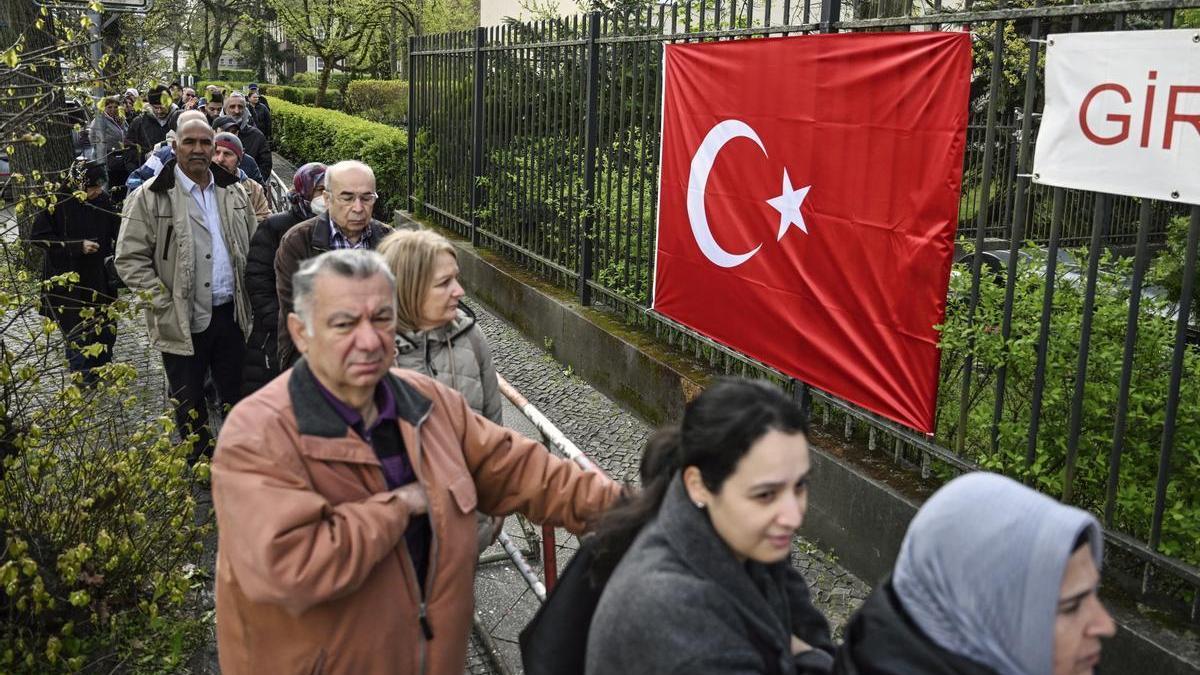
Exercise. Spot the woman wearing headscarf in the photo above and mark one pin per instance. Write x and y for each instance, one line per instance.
(993, 578)
(697, 564)
(306, 200)
(436, 334)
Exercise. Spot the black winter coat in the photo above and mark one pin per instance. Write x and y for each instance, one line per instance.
(255, 144)
(61, 234)
(145, 132)
(881, 639)
(262, 360)
(261, 114)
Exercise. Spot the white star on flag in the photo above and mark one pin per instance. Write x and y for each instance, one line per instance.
(788, 206)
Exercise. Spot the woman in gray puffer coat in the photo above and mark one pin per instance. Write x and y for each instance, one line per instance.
(436, 335)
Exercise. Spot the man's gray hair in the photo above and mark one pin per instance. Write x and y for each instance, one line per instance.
(352, 263)
(234, 94)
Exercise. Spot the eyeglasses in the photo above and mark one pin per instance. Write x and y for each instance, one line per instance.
(348, 198)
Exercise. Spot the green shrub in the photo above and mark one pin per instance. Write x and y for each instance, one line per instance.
(384, 101)
(1147, 397)
(96, 509)
(307, 134)
(236, 74)
(337, 81)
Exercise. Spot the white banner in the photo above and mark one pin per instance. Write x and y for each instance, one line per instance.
(1122, 114)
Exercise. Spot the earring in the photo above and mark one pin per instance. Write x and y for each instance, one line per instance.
(699, 504)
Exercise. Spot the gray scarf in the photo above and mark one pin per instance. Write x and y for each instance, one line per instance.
(981, 567)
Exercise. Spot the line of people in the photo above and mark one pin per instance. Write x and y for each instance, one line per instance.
(364, 464)
(131, 143)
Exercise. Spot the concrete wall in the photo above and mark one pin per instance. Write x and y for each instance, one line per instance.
(860, 519)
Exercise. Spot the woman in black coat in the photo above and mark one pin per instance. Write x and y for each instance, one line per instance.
(262, 362)
(703, 581)
(78, 236)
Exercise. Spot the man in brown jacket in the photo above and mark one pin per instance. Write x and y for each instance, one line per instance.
(346, 496)
(350, 195)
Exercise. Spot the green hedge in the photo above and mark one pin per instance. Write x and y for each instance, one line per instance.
(384, 101)
(306, 134)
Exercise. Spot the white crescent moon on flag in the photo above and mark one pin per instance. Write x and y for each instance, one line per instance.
(702, 164)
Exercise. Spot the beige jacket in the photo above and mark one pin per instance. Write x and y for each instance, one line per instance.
(156, 253)
(258, 199)
(457, 356)
(313, 574)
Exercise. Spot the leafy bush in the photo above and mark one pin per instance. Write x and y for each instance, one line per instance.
(337, 81)
(384, 101)
(548, 220)
(236, 74)
(307, 134)
(96, 509)
(1147, 397)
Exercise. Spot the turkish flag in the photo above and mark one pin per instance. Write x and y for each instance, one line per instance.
(808, 205)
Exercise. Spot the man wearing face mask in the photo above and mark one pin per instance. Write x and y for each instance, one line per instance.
(305, 201)
(350, 196)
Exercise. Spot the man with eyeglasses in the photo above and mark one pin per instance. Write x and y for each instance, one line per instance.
(347, 224)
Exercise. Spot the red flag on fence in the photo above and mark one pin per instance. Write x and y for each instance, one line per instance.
(808, 205)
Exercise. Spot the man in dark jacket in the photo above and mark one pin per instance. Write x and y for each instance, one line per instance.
(78, 236)
(150, 128)
(350, 194)
(262, 355)
(261, 113)
(252, 139)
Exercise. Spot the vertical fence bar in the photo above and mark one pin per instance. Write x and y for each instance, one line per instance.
(412, 128)
(1140, 260)
(1103, 213)
(1017, 235)
(1181, 347)
(985, 187)
(477, 136)
(831, 13)
(589, 158)
(1039, 373)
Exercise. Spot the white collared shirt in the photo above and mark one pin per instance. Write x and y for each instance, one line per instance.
(206, 200)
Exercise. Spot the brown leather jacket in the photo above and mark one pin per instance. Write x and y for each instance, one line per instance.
(312, 571)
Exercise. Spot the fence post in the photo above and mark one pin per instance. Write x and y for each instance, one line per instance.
(410, 201)
(591, 139)
(477, 138)
(831, 13)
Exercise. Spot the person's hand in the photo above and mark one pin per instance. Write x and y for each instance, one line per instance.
(800, 646)
(413, 496)
(90, 246)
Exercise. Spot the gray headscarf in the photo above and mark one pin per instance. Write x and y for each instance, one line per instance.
(981, 567)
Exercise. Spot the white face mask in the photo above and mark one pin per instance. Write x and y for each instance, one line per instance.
(318, 205)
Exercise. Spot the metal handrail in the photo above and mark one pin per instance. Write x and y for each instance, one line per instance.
(552, 437)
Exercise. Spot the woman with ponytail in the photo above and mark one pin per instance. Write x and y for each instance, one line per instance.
(695, 567)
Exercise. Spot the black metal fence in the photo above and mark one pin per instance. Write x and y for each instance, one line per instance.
(1065, 364)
